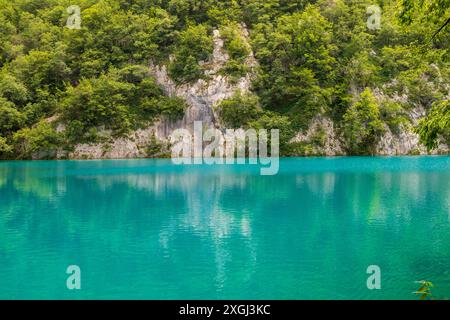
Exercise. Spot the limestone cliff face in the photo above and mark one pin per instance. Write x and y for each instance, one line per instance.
(405, 142)
(331, 140)
(201, 97)
(130, 147)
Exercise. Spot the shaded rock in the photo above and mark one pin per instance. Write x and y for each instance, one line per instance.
(322, 136)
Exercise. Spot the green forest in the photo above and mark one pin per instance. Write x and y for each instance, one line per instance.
(313, 57)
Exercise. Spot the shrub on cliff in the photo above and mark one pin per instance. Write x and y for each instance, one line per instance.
(5, 148)
(239, 110)
(362, 125)
(435, 127)
(41, 141)
(193, 46)
(11, 119)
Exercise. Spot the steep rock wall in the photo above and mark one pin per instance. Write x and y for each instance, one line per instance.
(201, 97)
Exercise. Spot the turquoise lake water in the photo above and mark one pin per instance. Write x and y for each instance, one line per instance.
(148, 229)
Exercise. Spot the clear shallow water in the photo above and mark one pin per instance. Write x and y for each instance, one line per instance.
(147, 229)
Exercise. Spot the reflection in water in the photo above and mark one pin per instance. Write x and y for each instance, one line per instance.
(148, 229)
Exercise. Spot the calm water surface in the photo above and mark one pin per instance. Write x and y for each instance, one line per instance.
(147, 229)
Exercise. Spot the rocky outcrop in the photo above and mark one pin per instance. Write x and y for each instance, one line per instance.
(203, 95)
(406, 141)
(133, 146)
(322, 137)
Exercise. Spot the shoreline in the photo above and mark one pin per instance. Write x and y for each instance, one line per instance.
(293, 157)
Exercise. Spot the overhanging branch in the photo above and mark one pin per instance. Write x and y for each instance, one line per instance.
(441, 28)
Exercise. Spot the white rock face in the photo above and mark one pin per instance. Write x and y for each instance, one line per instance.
(133, 146)
(406, 142)
(200, 97)
(332, 145)
(203, 95)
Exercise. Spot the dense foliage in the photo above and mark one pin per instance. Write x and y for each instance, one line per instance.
(194, 45)
(239, 110)
(362, 124)
(315, 57)
(436, 125)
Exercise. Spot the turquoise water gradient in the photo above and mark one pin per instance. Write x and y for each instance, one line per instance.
(148, 229)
